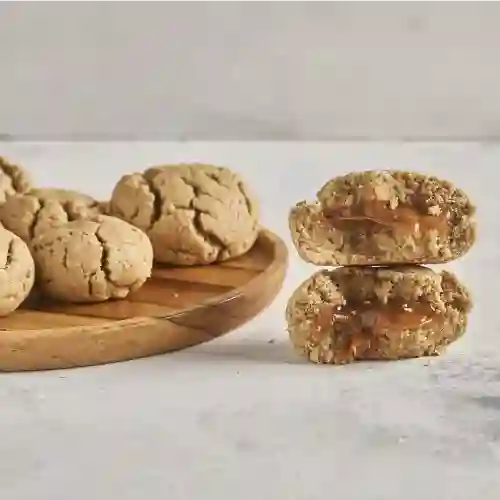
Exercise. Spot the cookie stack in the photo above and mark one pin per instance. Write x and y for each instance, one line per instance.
(379, 227)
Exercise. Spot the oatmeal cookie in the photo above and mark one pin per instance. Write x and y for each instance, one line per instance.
(375, 313)
(194, 214)
(382, 218)
(17, 272)
(92, 260)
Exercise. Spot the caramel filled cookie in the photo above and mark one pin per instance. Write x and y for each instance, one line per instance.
(17, 272)
(39, 210)
(193, 214)
(374, 313)
(14, 179)
(92, 260)
(382, 218)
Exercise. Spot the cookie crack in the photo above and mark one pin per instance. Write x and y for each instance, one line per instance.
(70, 214)
(35, 220)
(104, 264)
(216, 178)
(157, 201)
(10, 256)
(199, 190)
(65, 262)
(211, 238)
(90, 283)
(239, 185)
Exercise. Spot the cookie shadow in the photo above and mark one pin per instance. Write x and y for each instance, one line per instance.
(251, 351)
(487, 402)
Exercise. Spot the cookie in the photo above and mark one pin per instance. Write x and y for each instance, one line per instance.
(38, 210)
(92, 260)
(376, 313)
(17, 272)
(193, 214)
(14, 179)
(381, 218)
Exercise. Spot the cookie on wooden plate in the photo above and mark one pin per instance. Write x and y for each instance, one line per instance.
(194, 214)
(17, 272)
(92, 260)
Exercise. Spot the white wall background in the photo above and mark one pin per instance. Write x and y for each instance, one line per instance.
(245, 70)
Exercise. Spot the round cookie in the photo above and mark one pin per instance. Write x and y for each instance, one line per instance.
(193, 214)
(375, 313)
(92, 260)
(38, 210)
(14, 179)
(17, 272)
(381, 218)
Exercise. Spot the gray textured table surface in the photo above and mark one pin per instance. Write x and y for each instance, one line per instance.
(243, 418)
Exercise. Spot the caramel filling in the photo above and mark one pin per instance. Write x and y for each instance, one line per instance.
(402, 218)
(372, 320)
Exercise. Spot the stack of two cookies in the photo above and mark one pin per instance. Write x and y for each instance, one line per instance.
(382, 303)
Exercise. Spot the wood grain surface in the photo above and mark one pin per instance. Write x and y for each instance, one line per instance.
(175, 309)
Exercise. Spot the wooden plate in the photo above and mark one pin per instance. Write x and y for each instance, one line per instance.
(175, 309)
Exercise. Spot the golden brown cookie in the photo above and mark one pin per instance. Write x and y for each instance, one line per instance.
(92, 260)
(374, 313)
(38, 210)
(14, 179)
(17, 272)
(387, 217)
(193, 214)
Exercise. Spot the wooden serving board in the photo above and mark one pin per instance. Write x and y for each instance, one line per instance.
(175, 309)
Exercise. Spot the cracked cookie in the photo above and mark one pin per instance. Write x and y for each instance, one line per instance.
(381, 218)
(92, 260)
(14, 179)
(194, 214)
(375, 313)
(39, 210)
(17, 272)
